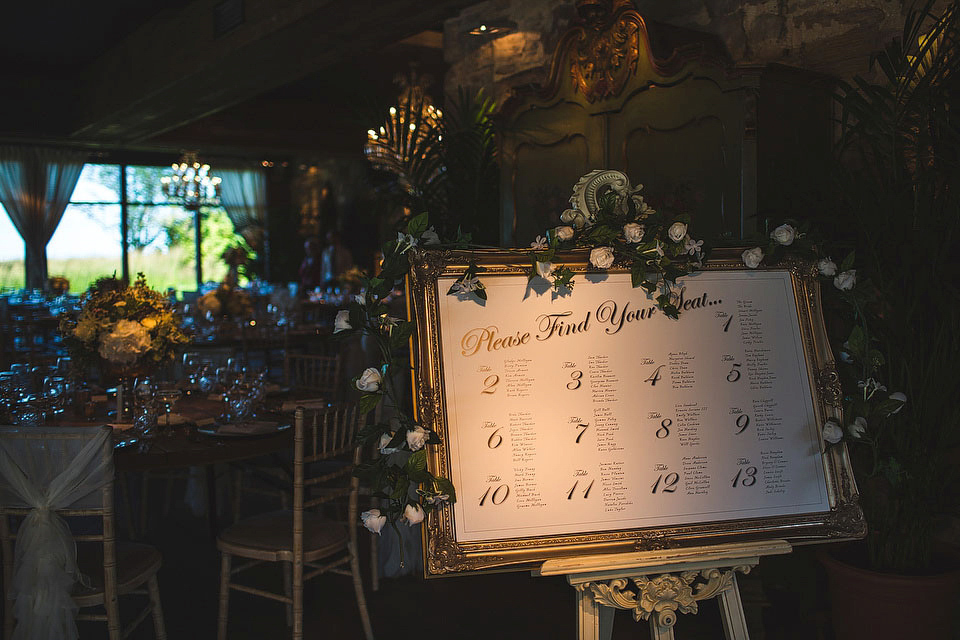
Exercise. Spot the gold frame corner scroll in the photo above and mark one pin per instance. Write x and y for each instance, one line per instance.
(585, 421)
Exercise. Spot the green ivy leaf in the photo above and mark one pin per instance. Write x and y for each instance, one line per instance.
(417, 225)
(417, 461)
(400, 334)
(638, 274)
(401, 488)
(445, 486)
(368, 402)
(847, 263)
(857, 343)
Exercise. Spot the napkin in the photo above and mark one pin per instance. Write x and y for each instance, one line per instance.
(252, 427)
(306, 403)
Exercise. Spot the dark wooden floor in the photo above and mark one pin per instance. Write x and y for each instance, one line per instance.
(783, 599)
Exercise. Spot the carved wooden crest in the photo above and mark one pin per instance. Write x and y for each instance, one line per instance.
(605, 53)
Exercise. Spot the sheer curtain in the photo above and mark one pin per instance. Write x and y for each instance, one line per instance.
(243, 194)
(35, 187)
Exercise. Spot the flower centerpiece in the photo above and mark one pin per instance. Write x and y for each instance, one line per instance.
(226, 301)
(123, 327)
(123, 330)
(237, 258)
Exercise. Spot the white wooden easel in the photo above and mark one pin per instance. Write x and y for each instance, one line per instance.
(656, 585)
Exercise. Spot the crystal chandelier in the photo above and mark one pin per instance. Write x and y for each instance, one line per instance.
(191, 183)
(410, 133)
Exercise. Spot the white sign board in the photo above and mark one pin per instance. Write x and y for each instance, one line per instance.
(593, 412)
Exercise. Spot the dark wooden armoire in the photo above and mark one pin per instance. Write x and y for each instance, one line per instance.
(735, 146)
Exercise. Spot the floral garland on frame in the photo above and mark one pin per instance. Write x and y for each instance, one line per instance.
(872, 405)
(607, 215)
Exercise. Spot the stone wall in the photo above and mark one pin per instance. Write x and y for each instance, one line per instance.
(830, 36)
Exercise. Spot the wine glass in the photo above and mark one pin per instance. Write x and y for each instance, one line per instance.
(55, 393)
(207, 379)
(168, 395)
(191, 367)
(145, 409)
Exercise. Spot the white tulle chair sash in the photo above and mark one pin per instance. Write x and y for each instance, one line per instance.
(48, 475)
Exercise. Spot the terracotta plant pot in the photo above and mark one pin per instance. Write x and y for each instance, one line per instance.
(871, 605)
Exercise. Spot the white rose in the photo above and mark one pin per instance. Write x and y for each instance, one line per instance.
(900, 397)
(784, 235)
(846, 280)
(564, 233)
(430, 236)
(677, 231)
(384, 441)
(832, 432)
(370, 380)
(633, 232)
(417, 438)
(86, 329)
(544, 269)
(342, 321)
(574, 218)
(827, 267)
(601, 257)
(125, 343)
(373, 520)
(413, 514)
(858, 427)
(752, 257)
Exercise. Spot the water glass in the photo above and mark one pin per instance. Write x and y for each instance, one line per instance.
(238, 403)
(28, 413)
(146, 411)
(55, 393)
(207, 379)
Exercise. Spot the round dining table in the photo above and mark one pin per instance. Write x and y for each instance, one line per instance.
(194, 442)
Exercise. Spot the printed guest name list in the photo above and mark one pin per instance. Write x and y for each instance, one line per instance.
(593, 411)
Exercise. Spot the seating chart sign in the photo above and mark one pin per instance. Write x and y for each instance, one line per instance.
(568, 417)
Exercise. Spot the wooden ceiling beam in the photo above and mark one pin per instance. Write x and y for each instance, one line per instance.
(173, 71)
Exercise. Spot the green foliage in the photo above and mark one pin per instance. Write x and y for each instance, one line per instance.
(400, 475)
(624, 231)
(898, 182)
(445, 166)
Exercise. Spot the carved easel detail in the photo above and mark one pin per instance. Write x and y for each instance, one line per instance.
(664, 595)
(657, 585)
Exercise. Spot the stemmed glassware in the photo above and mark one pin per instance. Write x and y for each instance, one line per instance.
(168, 395)
(145, 409)
(54, 393)
(191, 367)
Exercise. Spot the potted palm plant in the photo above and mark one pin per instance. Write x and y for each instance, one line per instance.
(898, 189)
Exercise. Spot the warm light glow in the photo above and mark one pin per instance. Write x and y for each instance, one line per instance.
(407, 129)
(191, 184)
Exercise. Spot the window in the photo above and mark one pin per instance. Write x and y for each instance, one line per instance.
(160, 238)
(86, 244)
(11, 254)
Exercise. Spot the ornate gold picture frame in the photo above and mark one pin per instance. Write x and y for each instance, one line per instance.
(749, 402)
